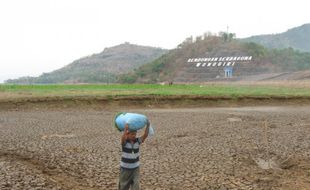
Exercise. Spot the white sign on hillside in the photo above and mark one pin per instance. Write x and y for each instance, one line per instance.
(218, 61)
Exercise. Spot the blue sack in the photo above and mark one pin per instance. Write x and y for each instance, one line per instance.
(135, 121)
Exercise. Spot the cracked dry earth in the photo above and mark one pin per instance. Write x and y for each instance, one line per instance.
(203, 148)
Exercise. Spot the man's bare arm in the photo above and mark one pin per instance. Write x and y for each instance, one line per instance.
(146, 132)
(125, 134)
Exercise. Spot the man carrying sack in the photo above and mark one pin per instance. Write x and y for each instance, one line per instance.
(129, 170)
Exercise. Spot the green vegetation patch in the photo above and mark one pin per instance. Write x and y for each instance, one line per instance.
(212, 90)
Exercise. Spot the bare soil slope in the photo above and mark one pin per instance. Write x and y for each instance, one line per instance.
(284, 76)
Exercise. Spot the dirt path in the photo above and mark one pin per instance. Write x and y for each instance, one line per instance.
(194, 148)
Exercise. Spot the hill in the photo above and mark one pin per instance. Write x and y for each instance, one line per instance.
(207, 57)
(297, 38)
(103, 67)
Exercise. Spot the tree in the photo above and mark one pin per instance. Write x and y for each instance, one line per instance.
(227, 37)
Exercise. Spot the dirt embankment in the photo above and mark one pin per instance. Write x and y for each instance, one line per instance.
(184, 101)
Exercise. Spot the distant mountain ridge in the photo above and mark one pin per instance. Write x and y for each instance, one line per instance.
(177, 66)
(297, 38)
(103, 67)
(129, 63)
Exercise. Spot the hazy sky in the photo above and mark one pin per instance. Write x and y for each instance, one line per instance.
(39, 36)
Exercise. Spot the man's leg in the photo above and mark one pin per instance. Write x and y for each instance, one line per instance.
(136, 179)
(124, 179)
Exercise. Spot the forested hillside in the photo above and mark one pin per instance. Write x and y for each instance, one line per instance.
(103, 67)
(297, 38)
(174, 66)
